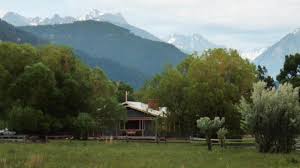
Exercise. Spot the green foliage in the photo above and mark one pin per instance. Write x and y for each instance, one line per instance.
(26, 119)
(209, 127)
(122, 88)
(109, 113)
(207, 85)
(3, 124)
(290, 71)
(221, 133)
(84, 123)
(43, 89)
(273, 116)
(263, 76)
(34, 85)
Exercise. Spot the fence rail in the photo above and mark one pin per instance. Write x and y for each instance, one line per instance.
(13, 138)
(227, 140)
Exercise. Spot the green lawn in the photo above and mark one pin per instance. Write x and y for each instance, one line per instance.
(129, 155)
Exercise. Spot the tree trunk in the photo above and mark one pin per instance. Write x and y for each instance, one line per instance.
(222, 142)
(209, 145)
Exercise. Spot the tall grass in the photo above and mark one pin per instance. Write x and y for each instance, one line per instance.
(35, 161)
(82, 154)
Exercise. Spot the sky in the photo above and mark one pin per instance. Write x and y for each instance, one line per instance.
(240, 24)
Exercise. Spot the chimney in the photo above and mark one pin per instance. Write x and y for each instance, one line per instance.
(126, 96)
(153, 104)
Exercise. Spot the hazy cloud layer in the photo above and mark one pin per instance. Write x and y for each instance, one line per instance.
(235, 23)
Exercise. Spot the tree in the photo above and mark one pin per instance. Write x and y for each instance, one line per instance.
(170, 89)
(25, 119)
(263, 76)
(273, 116)
(84, 123)
(209, 128)
(122, 88)
(206, 85)
(14, 57)
(51, 85)
(5, 79)
(291, 70)
(34, 86)
(108, 113)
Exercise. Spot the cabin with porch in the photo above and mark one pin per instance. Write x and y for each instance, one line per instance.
(141, 118)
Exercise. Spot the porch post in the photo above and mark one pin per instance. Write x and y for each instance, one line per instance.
(139, 124)
(143, 126)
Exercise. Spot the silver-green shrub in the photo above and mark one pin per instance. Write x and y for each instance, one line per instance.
(209, 127)
(272, 116)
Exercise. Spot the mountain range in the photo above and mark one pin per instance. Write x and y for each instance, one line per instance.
(100, 53)
(114, 70)
(117, 19)
(106, 40)
(273, 58)
(120, 47)
(191, 43)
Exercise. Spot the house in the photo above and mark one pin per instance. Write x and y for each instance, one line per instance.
(141, 118)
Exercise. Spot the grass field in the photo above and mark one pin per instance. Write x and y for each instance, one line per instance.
(94, 154)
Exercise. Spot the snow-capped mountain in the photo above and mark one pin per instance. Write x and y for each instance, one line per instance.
(190, 43)
(252, 53)
(15, 19)
(104, 17)
(19, 20)
(117, 19)
(273, 58)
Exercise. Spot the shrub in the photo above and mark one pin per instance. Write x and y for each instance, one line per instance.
(273, 116)
(209, 128)
(222, 135)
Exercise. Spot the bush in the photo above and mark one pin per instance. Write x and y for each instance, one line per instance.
(209, 128)
(273, 116)
(222, 135)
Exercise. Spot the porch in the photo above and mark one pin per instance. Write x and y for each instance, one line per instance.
(138, 126)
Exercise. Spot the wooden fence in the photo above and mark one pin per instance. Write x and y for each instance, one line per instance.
(13, 138)
(298, 144)
(195, 139)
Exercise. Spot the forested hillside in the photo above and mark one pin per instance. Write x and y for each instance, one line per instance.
(12, 34)
(105, 40)
(114, 70)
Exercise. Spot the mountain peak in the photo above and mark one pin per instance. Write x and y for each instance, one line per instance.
(7, 14)
(94, 14)
(15, 19)
(190, 43)
(97, 15)
(296, 31)
(273, 58)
